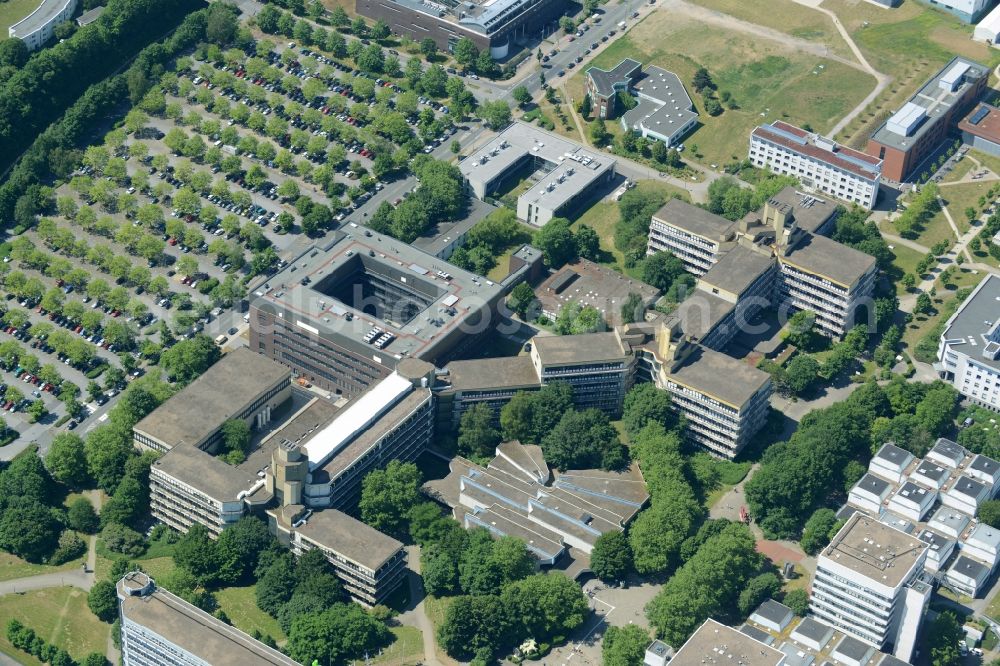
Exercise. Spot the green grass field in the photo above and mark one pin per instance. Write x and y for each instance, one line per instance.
(60, 616)
(766, 79)
(240, 604)
(407, 648)
(12, 567)
(906, 260)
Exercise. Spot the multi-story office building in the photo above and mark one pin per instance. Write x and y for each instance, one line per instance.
(369, 564)
(599, 367)
(819, 163)
(867, 584)
(490, 381)
(36, 28)
(918, 129)
(604, 85)
(969, 350)
(344, 315)
(692, 234)
(242, 385)
(565, 174)
(587, 283)
(493, 25)
(161, 629)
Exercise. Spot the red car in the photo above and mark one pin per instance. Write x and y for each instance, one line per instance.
(172, 241)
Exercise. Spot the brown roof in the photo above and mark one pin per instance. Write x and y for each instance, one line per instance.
(989, 125)
(812, 150)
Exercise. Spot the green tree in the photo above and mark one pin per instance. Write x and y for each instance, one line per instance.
(798, 601)
(545, 605)
(611, 559)
(477, 438)
(81, 516)
(942, 639)
(495, 114)
(29, 531)
(197, 554)
(816, 533)
(599, 132)
(661, 270)
(475, 626)
(103, 601)
(556, 242)
(521, 95)
(522, 299)
(582, 440)
(758, 589)
(989, 513)
(189, 358)
(67, 460)
(236, 435)
(339, 634)
(801, 328)
(240, 547)
(645, 404)
(387, 494)
(624, 646)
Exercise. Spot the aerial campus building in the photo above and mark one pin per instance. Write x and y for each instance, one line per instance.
(969, 11)
(563, 174)
(159, 628)
(36, 28)
(819, 163)
(491, 24)
(664, 110)
(588, 283)
(969, 350)
(800, 269)
(517, 494)
(919, 128)
(868, 585)
(344, 315)
(306, 464)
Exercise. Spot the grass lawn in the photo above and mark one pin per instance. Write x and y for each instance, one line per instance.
(787, 16)
(13, 11)
(961, 278)
(993, 610)
(964, 166)
(436, 608)
(767, 79)
(12, 567)
(407, 648)
(603, 217)
(240, 604)
(60, 616)
(906, 260)
(990, 162)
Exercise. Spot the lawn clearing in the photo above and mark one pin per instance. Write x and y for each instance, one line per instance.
(13, 11)
(60, 616)
(762, 76)
(436, 608)
(12, 567)
(240, 604)
(407, 648)
(905, 260)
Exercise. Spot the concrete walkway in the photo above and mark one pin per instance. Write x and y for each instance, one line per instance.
(417, 615)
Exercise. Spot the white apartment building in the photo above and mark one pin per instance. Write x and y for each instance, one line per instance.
(161, 629)
(692, 234)
(866, 587)
(969, 350)
(36, 28)
(819, 163)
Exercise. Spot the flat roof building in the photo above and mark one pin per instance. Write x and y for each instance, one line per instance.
(159, 628)
(981, 128)
(820, 164)
(694, 235)
(591, 284)
(345, 314)
(715, 642)
(600, 367)
(918, 128)
(969, 348)
(565, 172)
(968, 11)
(664, 111)
(36, 28)
(90, 16)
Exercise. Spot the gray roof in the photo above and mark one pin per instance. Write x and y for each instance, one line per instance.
(850, 548)
(589, 283)
(504, 521)
(205, 473)
(701, 312)
(737, 270)
(46, 11)
(572, 349)
(220, 393)
(894, 454)
(846, 512)
(949, 449)
(90, 16)
(757, 634)
(192, 629)
(330, 272)
(936, 541)
(720, 376)
(811, 212)
(605, 80)
(350, 538)
(513, 372)
(664, 105)
(829, 259)
(985, 465)
(813, 630)
(773, 611)
(872, 484)
(712, 637)
(936, 102)
(695, 220)
(968, 487)
(794, 656)
(970, 567)
(853, 649)
(932, 471)
(968, 330)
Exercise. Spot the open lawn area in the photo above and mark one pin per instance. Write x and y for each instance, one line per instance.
(766, 79)
(408, 648)
(957, 197)
(436, 608)
(906, 260)
(12, 567)
(603, 216)
(787, 16)
(60, 616)
(13, 11)
(240, 604)
(990, 162)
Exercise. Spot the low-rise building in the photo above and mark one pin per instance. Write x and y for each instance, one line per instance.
(714, 642)
(969, 350)
(891, 462)
(36, 28)
(988, 30)
(566, 174)
(160, 628)
(968, 11)
(604, 86)
(90, 16)
(819, 163)
(590, 284)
